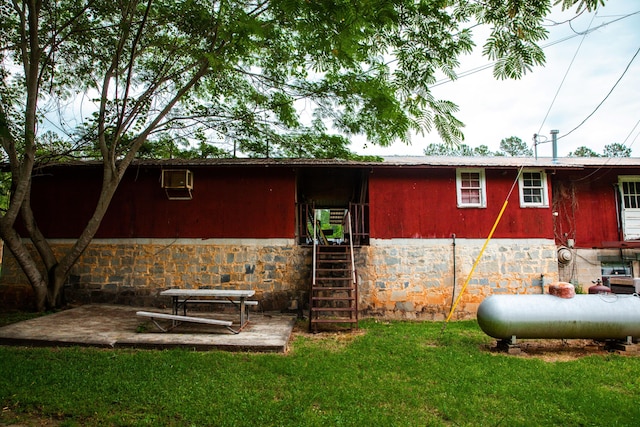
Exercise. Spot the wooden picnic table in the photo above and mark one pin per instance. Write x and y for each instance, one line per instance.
(182, 297)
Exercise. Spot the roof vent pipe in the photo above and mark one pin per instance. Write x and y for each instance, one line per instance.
(554, 144)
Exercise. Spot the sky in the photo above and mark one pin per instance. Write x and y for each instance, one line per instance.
(579, 73)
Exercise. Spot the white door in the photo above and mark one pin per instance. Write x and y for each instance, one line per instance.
(630, 192)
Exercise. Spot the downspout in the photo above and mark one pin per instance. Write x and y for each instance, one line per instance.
(616, 195)
(619, 220)
(453, 292)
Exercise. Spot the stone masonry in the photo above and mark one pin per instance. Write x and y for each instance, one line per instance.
(398, 278)
(414, 278)
(135, 272)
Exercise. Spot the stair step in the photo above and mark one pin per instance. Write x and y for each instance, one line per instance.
(333, 285)
(343, 309)
(345, 273)
(331, 281)
(345, 320)
(336, 216)
(333, 295)
(333, 298)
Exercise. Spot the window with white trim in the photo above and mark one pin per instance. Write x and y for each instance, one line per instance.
(533, 189)
(630, 193)
(471, 188)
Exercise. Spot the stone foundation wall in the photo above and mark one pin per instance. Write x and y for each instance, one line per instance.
(398, 278)
(585, 265)
(414, 278)
(135, 272)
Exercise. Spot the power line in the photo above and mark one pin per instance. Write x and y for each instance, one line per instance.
(584, 35)
(561, 40)
(607, 96)
(632, 130)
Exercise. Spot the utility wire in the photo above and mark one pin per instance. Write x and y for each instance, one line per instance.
(607, 96)
(562, 40)
(584, 35)
(634, 139)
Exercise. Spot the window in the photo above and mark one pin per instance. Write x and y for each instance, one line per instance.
(533, 189)
(614, 269)
(630, 193)
(471, 188)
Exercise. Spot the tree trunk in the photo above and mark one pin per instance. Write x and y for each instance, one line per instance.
(28, 265)
(60, 272)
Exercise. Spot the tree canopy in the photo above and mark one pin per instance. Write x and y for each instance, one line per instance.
(457, 150)
(117, 79)
(512, 146)
(614, 149)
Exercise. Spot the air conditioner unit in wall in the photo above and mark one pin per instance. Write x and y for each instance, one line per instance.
(177, 183)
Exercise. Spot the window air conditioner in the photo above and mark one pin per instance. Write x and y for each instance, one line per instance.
(177, 183)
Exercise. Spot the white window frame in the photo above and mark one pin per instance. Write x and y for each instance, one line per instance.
(630, 216)
(482, 188)
(544, 189)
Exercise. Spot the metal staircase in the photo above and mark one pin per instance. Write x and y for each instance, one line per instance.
(333, 298)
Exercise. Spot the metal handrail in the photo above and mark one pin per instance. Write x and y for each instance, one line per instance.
(353, 261)
(315, 244)
(347, 224)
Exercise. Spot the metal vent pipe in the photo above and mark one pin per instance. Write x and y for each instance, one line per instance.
(554, 144)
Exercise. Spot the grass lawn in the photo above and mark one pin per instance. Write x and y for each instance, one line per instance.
(387, 374)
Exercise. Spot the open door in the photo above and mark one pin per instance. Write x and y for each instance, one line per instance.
(332, 192)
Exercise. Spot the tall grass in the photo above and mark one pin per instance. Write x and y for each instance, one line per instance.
(391, 374)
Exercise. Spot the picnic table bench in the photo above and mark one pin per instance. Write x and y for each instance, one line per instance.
(182, 297)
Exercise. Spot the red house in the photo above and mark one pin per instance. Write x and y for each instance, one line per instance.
(417, 225)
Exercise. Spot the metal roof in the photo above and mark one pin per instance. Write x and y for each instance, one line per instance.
(513, 162)
(496, 162)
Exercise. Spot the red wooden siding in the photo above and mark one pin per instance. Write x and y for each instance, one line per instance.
(227, 203)
(587, 207)
(421, 203)
(258, 202)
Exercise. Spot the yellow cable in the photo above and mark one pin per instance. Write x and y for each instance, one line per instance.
(486, 242)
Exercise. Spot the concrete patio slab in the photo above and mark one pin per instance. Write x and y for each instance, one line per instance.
(112, 326)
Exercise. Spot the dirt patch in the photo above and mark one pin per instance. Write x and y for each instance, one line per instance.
(11, 419)
(548, 350)
(302, 327)
(555, 350)
(334, 336)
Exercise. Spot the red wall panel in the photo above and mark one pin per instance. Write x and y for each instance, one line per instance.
(421, 203)
(226, 203)
(256, 202)
(587, 207)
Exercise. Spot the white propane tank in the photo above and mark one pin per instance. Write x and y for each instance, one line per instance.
(546, 316)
